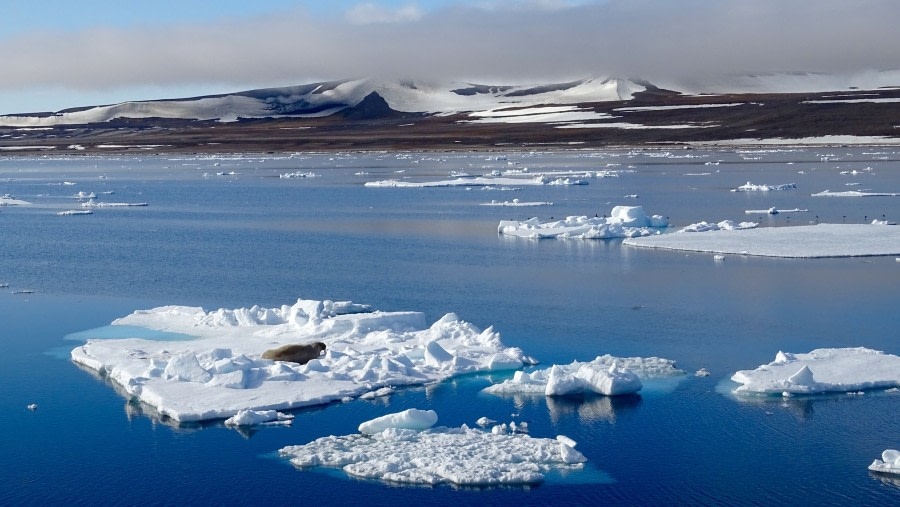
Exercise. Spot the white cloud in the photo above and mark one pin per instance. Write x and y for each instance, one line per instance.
(369, 13)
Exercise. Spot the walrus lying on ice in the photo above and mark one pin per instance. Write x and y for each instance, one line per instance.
(299, 353)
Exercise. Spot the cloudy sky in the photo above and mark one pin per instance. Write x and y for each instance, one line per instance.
(60, 53)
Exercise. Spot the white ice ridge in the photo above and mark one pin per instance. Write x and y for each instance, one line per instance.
(750, 187)
(480, 181)
(806, 241)
(822, 370)
(888, 464)
(462, 456)
(623, 222)
(724, 225)
(221, 372)
(607, 375)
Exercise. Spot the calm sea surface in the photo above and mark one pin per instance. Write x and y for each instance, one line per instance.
(252, 238)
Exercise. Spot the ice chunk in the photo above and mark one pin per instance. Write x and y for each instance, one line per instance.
(750, 187)
(220, 372)
(254, 417)
(606, 375)
(888, 464)
(411, 419)
(462, 456)
(822, 370)
(185, 367)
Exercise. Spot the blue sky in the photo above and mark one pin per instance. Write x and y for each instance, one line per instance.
(61, 53)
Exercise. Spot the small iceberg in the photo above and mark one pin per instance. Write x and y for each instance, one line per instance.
(822, 371)
(888, 464)
(396, 452)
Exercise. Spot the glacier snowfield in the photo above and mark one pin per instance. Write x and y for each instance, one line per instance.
(166, 296)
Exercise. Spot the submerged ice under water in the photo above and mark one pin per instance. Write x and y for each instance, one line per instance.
(249, 237)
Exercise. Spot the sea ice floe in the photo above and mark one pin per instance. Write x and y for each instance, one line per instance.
(806, 241)
(462, 456)
(8, 200)
(750, 187)
(516, 203)
(888, 464)
(606, 375)
(623, 222)
(222, 372)
(820, 371)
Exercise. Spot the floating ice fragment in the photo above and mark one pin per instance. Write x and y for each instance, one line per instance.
(888, 464)
(624, 222)
(607, 375)
(411, 419)
(485, 421)
(822, 370)
(32, 407)
(256, 417)
(702, 372)
(461, 456)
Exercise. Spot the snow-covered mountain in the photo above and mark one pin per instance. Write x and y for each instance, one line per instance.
(324, 99)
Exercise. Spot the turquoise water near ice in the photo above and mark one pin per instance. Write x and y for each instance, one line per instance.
(232, 241)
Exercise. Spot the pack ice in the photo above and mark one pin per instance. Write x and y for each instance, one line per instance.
(820, 371)
(623, 222)
(221, 372)
(404, 448)
(607, 375)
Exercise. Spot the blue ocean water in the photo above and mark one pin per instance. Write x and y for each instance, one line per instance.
(252, 238)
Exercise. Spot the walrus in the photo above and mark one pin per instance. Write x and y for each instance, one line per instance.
(300, 353)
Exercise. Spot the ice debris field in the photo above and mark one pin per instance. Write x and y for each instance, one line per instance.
(405, 448)
(221, 371)
(805, 241)
(822, 371)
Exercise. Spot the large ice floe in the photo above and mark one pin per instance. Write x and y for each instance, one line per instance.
(404, 448)
(724, 225)
(888, 464)
(805, 241)
(221, 372)
(607, 375)
(855, 193)
(623, 222)
(822, 371)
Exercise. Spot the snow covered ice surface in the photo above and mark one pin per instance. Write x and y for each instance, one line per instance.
(805, 241)
(623, 222)
(855, 193)
(221, 372)
(481, 181)
(606, 375)
(821, 371)
(888, 464)
(403, 448)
